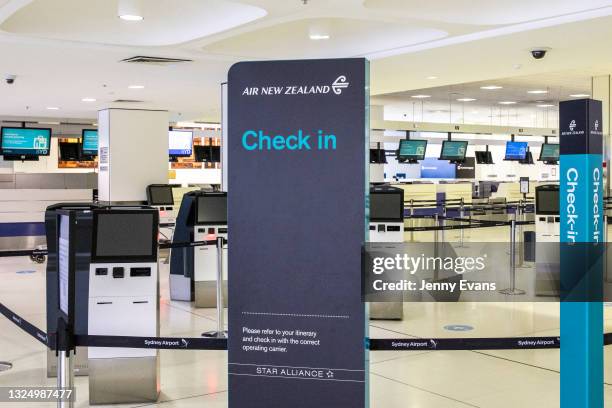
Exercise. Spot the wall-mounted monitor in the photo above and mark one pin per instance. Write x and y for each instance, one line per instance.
(453, 150)
(180, 143)
(69, 151)
(25, 142)
(484, 157)
(211, 209)
(160, 194)
(89, 142)
(516, 150)
(411, 150)
(549, 153)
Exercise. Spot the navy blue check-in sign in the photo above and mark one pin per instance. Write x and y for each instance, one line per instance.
(297, 195)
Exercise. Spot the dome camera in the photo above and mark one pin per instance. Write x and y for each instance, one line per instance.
(10, 79)
(539, 53)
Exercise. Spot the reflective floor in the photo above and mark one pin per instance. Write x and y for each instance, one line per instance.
(424, 379)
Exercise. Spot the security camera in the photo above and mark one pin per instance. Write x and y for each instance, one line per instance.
(539, 53)
(10, 79)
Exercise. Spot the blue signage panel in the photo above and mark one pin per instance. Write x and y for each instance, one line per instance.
(298, 148)
(25, 141)
(90, 142)
(581, 211)
(434, 168)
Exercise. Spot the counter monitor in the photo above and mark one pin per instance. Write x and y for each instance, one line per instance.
(549, 153)
(89, 142)
(516, 150)
(180, 143)
(411, 150)
(25, 141)
(453, 150)
(484, 157)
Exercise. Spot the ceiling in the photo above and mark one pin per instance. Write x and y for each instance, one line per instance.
(67, 50)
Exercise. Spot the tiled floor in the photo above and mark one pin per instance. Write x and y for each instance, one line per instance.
(430, 379)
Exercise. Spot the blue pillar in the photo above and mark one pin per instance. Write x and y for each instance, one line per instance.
(581, 210)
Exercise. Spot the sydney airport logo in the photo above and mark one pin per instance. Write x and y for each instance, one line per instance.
(337, 86)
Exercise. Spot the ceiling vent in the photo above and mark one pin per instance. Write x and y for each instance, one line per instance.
(140, 59)
(127, 101)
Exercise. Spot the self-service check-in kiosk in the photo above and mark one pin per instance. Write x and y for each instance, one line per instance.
(387, 225)
(202, 217)
(160, 196)
(123, 301)
(82, 238)
(547, 229)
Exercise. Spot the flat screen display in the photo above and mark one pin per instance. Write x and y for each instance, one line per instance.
(412, 150)
(484, 157)
(180, 143)
(549, 152)
(160, 195)
(215, 154)
(125, 235)
(547, 201)
(25, 141)
(89, 141)
(211, 209)
(438, 169)
(516, 150)
(386, 207)
(453, 150)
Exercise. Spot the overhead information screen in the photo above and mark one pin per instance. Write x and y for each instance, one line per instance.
(180, 143)
(549, 152)
(127, 235)
(547, 201)
(90, 142)
(25, 141)
(412, 150)
(160, 195)
(516, 150)
(212, 209)
(453, 150)
(386, 207)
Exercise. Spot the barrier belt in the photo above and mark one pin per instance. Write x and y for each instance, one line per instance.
(160, 343)
(24, 325)
(491, 343)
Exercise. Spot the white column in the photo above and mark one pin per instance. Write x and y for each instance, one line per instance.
(133, 153)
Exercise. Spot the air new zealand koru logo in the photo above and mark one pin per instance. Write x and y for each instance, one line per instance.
(339, 84)
(572, 125)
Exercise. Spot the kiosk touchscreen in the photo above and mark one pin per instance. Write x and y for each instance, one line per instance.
(387, 225)
(411, 151)
(123, 301)
(548, 230)
(210, 223)
(160, 196)
(454, 150)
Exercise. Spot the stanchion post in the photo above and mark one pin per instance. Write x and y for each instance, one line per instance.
(512, 290)
(65, 362)
(461, 215)
(220, 332)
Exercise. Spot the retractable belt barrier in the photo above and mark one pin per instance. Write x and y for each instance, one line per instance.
(201, 343)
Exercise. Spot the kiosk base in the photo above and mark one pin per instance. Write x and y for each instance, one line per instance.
(123, 380)
(80, 363)
(180, 288)
(206, 294)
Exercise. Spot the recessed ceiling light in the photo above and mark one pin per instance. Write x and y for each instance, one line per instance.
(432, 77)
(507, 103)
(580, 95)
(317, 37)
(545, 105)
(466, 99)
(52, 108)
(421, 96)
(537, 91)
(130, 10)
(491, 87)
(88, 99)
(136, 86)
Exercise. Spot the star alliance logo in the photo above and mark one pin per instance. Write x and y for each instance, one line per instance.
(572, 125)
(339, 84)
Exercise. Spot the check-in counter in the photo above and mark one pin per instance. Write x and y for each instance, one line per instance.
(22, 214)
